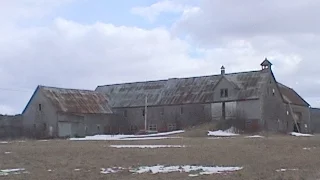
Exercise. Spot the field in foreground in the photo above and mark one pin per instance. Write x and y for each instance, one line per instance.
(259, 157)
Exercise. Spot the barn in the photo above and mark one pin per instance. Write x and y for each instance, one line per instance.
(254, 98)
(58, 112)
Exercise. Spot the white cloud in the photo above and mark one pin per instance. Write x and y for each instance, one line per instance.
(70, 54)
(166, 6)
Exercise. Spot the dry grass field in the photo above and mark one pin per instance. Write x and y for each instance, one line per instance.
(259, 157)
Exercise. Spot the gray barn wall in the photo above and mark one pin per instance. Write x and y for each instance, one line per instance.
(193, 114)
(11, 126)
(305, 119)
(250, 108)
(76, 121)
(92, 124)
(273, 116)
(315, 120)
(34, 120)
(224, 84)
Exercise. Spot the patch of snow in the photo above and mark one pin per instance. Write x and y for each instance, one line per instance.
(284, 170)
(6, 172)
(43, 140)
(76, 169)
(21, 141)
(226, 133)
(111, 170)
(147, 146)
(147, 138)
(193, 175)
(309, 148)
(7, 152)
(220, 133)
(4, 142)
(255, 136)
(204, 170)
(128, 137)
(300, 134)
(49, 170)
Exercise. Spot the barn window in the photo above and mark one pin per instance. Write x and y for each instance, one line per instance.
(162, 111)
(40, 107)
(172, 127)
(125, 113)
(98, 128)
(152, 127)
(181, 110)
(143, 112)
(223, 92)
(273, 92)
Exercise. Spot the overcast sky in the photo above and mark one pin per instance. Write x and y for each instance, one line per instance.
(85, 43)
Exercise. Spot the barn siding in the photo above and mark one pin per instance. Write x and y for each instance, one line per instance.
(181, 115)
(34, 120)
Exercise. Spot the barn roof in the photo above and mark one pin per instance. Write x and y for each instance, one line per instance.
(291, 96)
(75, 100)
(182, 90)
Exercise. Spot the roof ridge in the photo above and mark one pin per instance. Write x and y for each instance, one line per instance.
(61, 88)
(253, 71)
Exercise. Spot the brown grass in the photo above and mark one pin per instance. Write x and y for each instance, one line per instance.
(259, 157)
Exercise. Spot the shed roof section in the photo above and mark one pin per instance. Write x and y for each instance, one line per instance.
(182, 90)
(291, 96)
(77, 101)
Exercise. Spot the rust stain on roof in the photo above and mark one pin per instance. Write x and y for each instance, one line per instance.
(77, 101)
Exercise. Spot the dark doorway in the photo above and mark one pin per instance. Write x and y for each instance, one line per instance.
(296, 127)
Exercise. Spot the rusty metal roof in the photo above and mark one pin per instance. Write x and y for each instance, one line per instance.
(77, 101)
(182, 90)
(291, 96)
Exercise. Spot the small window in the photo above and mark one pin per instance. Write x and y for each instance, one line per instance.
(40, 107)
(162, 111)
(223, 93)
(125, 113)
(273, 92)
(143, 112)
(152, 127)
(172, 127)
(98, 128)
(181, 110)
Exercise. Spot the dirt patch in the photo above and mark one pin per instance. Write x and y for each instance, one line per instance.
(259, 157)
(200, 130)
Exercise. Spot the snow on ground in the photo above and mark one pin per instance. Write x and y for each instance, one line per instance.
(202, 170)
(193, 170)
(4, 142)
(6, 172)
(147, 138)
(128, 137)
(220, 133)
(284, 170)
(7, 152)
(111, 170)
(255, 136)
(309, 148)
(300, 134)
(147, 146)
